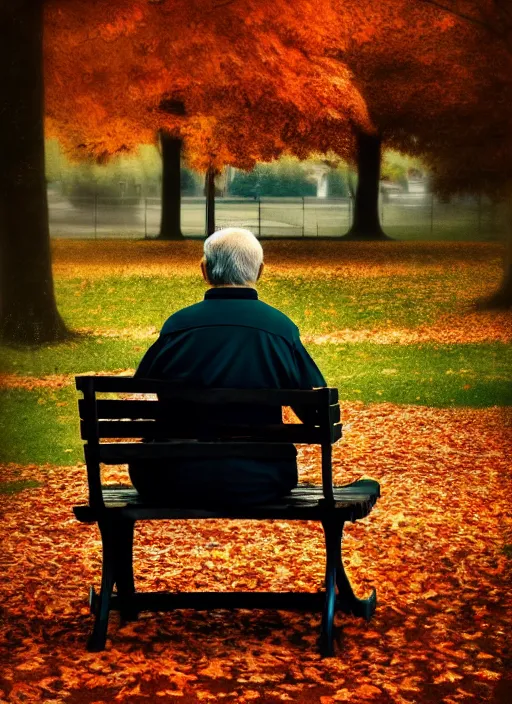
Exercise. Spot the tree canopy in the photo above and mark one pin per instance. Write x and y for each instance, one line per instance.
(252, 80)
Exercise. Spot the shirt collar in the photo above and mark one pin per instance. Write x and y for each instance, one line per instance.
(231, 292)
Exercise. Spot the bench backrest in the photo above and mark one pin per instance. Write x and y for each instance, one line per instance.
(162, 421)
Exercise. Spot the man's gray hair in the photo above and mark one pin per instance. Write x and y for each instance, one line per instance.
(233, 257)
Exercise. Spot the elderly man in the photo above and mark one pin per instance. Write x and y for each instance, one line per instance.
(229, 340)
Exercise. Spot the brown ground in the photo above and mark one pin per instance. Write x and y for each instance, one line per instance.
(437, 547)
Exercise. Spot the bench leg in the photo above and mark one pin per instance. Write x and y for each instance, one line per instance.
(347, 600)
(335, 576)
(98, 636)
(332, 533)
(123, 567)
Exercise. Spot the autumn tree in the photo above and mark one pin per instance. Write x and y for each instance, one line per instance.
(28, 312)
(413, 67)
(106, 111)
(100, 125)
(473, 152)
(249, 80)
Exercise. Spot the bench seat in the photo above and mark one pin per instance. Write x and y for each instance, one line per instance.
(351, 502)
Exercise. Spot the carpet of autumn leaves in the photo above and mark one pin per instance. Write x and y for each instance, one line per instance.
(292, 257)
(437, 546)
(433, 546)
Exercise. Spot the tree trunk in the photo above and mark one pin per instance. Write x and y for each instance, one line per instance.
(210, 201)
(28, 312)
(170, 223)
(502, 298)
(366, 223)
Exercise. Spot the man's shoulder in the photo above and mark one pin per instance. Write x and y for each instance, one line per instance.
(184, 317)
(279, 318)
(246, 313)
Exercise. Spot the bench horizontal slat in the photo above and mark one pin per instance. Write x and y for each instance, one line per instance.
(125, 408)
(352, 502)
(208, 601)
(120, 453)
(169, 389)
(111, 409)
(294, 433)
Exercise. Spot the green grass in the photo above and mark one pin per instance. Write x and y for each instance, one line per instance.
(434, 375)
(41, 426)
(442, 232)
(437, 374)
(135, 301)
(78, 356)
(316, 305)
(15, 487)
(322, 307)
(35, 429)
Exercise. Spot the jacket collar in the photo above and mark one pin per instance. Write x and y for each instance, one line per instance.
(231, 293)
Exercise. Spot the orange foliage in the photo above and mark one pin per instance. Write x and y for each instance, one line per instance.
(469, 143)
(419, 69)
(254, 77)
(258, 78)
(478, 263)
(435, 547)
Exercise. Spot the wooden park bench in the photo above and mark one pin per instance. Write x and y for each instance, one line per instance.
(117, 508)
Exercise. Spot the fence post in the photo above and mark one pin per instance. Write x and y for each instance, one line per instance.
(95, 216)
(145, 218)
(432, 214)
(349, 211)
(479, 214)
(303, 217)
(259, 216)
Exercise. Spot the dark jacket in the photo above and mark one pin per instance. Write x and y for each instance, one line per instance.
(229, 340)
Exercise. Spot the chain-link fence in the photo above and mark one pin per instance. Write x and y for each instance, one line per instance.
(404, 216)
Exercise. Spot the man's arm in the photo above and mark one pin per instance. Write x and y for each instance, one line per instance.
(309, 377)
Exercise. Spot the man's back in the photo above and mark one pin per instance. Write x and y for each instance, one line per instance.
(229, 340)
